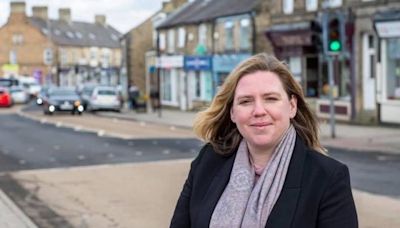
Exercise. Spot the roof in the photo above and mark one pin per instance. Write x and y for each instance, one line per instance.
(387, 15)
(204, 10)
(78, 33)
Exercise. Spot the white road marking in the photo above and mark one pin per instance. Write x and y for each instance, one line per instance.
(101, 133)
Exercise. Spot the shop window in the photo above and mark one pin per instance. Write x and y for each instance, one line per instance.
(166, 86)
(245, 33)
(393, 69)
(229, 35)
(295, 67)
(287, 6)
(197, 85)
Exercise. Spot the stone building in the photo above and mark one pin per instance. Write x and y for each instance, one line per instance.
(60, 51)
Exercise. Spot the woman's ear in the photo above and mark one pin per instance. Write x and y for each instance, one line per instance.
(293, 106)
(232, 115)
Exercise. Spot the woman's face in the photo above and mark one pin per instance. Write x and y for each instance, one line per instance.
(262, 110)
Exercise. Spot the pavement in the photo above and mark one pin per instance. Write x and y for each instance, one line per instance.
(144, 195)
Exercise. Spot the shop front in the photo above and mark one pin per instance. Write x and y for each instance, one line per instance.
(299, 45)
(387, 25)
(222, 65)
(199, 81)
(172, 81)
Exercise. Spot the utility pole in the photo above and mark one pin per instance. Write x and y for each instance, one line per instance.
(331, 58)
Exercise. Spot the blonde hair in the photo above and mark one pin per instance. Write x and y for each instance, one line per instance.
(214, 124)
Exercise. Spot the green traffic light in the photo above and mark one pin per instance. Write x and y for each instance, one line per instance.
(335, 45)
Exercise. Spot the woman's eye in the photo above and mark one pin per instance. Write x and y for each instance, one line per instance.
(271, 99)
(244, 102)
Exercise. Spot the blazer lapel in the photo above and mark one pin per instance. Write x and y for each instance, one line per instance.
(214, 192)
(283, 212)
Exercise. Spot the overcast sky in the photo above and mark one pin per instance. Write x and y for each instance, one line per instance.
(121, 14)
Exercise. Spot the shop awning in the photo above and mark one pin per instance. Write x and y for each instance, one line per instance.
(295, 39)
(387, 23)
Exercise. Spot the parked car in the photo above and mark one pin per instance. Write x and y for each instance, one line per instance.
(86, 94)
(104, 98)
(19, 95)
(5, 98)
(62, 99)
(42, 95)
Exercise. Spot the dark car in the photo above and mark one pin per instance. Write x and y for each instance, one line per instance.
(62, 100)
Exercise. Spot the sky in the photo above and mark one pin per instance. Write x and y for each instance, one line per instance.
(121, 14)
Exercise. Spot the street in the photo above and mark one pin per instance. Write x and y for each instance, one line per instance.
(54, 145)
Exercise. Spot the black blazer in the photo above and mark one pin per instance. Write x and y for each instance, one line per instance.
(316, 192)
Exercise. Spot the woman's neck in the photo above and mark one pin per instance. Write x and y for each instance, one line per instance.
(260, 157)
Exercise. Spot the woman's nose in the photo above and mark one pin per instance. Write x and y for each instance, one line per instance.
(259, 108)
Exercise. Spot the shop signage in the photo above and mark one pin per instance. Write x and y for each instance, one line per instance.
(197, 63)
(170, 61)
(388, 29)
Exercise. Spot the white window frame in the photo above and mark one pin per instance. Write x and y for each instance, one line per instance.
(245, 39)
(229, 25)
(162, 41)
(334, 3)
(171, 40)
(287, 6)
(181, 37)
(203, 34)
(311, 5)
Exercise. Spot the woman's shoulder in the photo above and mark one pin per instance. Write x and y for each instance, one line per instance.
(323, 163)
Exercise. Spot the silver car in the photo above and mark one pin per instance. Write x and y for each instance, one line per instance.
(104, 98)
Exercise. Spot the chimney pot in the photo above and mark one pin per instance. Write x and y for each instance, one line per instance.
(64, 14)
(100, 20)
(40, 12)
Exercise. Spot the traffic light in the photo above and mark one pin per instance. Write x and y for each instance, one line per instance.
(334, 41)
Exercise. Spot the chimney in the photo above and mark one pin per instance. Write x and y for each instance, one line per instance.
(64, 14)
(17, 7)
(17, 12)
(40, 12)
(100, 19)
(167, 7)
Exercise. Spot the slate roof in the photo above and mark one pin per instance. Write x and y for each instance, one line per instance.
(78, 33)
(387, 15)
(204, 10)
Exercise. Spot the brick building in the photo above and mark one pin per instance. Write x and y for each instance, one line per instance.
(61, 51)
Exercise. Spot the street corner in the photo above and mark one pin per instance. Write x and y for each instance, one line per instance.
(26, 209)
(107, 195)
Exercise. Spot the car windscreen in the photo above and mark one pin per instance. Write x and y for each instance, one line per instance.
(62, 92)
(106, 92)
(16, 90)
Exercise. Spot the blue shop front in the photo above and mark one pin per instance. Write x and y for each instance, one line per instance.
(222, 65)
(199, 83)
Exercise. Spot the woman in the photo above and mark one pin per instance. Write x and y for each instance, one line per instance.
(263, 165)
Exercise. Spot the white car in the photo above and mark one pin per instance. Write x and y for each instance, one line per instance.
(104, 98)
(19, 95)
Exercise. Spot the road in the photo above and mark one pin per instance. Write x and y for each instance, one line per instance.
(66, 141)
(27, 144)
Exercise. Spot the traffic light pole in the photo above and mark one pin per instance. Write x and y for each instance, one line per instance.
(331, 58)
